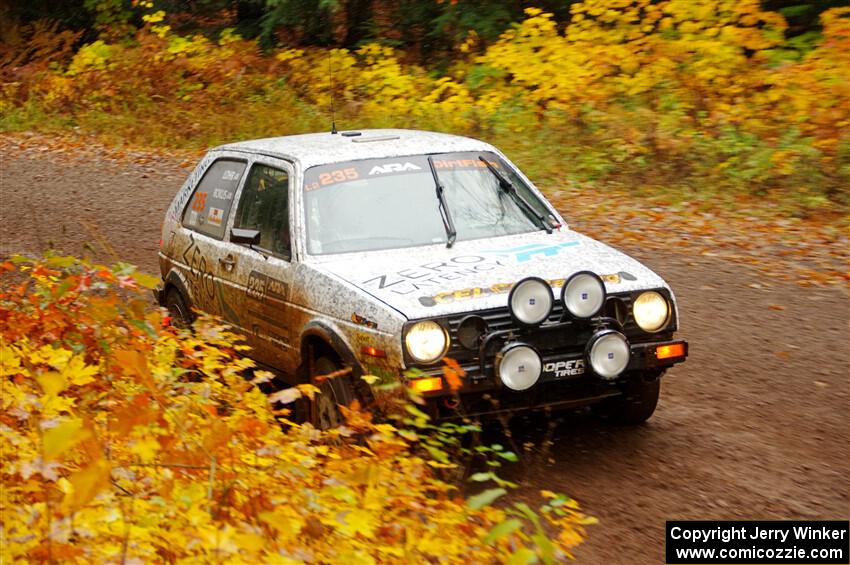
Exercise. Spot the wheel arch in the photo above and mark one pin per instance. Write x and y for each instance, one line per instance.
(174, 280)
(322, 336)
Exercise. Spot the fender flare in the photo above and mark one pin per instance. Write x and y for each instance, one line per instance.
(331, 337)
(327, 333)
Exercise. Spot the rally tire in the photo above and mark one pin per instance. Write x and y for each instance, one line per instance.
(324, 411)
(178, 310)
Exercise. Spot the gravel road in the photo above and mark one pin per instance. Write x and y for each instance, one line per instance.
(756, 425)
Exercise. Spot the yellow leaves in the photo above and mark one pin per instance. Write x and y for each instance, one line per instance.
(145, 448)
(10, 360)
(286, 522)
(52, 383)
(155, 17)
(145, 280)
(358, 521)
(308, 390)
(86, 484)
(91, 57)
(198, 466)
(64, 436)
(370, 379)
(71, 369)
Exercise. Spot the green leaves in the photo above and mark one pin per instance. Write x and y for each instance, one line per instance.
(485, 498)
(503, 529)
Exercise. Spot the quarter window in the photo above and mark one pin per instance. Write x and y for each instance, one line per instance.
(210, 205)
(264, 206)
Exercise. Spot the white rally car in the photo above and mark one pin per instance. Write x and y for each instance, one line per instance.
(388, 251)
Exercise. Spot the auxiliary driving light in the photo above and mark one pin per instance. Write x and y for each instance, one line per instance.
(518, 366)
(470, 331)
(608, 353)
(583, 294)
(530, 301)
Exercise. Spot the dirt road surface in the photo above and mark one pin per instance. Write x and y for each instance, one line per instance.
(756, 425)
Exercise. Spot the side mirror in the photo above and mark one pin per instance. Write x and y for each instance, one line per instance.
(245, 237)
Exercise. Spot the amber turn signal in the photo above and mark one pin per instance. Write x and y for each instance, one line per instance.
(373, 352)
(670, 351)
(427, 385)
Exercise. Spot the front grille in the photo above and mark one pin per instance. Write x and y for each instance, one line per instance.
(499, 319)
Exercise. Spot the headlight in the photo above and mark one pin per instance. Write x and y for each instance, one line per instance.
(583, 294)
(426, 341)
(651, 311)
(530, 301)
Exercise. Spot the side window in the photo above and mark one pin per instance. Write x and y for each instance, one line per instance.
(209, 207)
(264, 206)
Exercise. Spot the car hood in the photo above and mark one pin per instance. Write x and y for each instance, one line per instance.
(474, 275)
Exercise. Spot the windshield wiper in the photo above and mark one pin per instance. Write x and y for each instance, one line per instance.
(451, 232)
(509, 187)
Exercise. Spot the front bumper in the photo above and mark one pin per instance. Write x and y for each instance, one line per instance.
(567, 380)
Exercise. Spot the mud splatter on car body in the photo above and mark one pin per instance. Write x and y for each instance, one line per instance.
(257, 236)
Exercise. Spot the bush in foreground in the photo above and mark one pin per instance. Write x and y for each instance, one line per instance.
(128, 440)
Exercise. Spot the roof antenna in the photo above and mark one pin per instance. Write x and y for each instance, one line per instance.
(333, 92)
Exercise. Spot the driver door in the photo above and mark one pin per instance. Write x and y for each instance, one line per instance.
(261, 274)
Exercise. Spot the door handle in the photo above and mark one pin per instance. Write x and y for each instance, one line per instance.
(228, 262)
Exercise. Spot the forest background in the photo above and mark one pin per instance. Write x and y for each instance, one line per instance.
(743, 104)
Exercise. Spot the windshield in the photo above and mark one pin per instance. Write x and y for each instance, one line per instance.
(390, 203)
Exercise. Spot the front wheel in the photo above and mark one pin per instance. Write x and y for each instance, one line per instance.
(324, 410)
(636, 405)
(177, 309)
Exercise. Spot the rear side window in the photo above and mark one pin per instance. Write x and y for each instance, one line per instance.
(264, 206)
(209, 207)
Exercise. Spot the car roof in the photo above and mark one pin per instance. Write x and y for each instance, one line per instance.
(323, 148)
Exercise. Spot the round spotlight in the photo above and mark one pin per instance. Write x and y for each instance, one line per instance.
(470, 330)
(531, 301)
(583, 294)
(518, 366)
(608, 353)
(651, 311)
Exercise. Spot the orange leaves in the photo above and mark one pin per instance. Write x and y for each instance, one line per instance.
(453, 373)
(217, 436)
(355, 417)
(135, 364)
(140, 410)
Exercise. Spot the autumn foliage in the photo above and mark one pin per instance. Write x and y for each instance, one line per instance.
(125, 439)
(700, 97)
